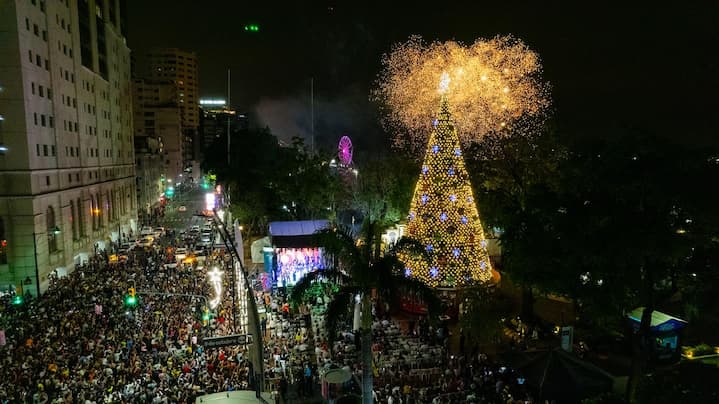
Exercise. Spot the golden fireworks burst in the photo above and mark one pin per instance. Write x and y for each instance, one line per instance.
(492, 86)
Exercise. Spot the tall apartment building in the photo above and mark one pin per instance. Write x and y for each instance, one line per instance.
(149, 172)
(67, 182)
(180, 67)
(215, 116)
(158, 116)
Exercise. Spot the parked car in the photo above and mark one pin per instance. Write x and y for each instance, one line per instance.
(159, 231)
(180, 254)
(146, 241)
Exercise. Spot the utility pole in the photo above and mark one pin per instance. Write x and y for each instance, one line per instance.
(37, 271)
(312, 113)
(228, 119)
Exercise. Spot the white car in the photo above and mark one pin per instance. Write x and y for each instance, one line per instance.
(146, 241)
(146, 231)
(159, 231)
(180, 254)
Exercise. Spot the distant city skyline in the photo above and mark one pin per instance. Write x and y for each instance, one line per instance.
(620, 65)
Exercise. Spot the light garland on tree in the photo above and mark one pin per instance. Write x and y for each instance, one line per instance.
(443, 215)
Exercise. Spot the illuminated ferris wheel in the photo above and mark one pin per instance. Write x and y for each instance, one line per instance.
(344, 151)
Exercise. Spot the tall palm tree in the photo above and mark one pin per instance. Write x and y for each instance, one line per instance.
(358, 269)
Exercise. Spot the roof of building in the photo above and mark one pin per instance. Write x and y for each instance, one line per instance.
(297, 228)
(660, 321)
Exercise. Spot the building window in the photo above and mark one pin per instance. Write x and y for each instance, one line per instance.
(41, 91)
(29, 53)
(37, 147)
(69, 179)
(51, 121)
(47, 180)
(27, 23)
(52, 230)
(38, 60)
(49, 93)
(42, 120)
(44, 35)
(53, 150)
(35, 30)
(32, 87)
(44, 153)
(35, 116)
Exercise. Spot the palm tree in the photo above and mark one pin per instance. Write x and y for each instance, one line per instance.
(358, 269)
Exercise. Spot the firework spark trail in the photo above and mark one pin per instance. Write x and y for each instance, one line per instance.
(493, 87)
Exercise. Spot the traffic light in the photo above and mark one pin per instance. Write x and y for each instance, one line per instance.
(205, 316)
(170, 192)
(252, 27)
(131, 298)
(17, 300)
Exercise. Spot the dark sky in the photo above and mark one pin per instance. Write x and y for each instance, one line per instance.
(641, 66)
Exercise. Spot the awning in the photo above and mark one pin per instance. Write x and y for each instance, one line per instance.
(297, 234)
(660, 321)
(297, 228)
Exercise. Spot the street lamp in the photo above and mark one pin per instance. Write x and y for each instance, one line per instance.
(54, 231)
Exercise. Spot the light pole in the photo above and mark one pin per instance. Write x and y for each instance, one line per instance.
(37, 271)
(254, 317)
(55, 230)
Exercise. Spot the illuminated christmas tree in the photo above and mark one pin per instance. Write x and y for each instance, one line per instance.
(443, 215)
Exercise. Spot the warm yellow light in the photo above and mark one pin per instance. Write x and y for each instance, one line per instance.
(444, 217)
(444, 83)
(487, 82)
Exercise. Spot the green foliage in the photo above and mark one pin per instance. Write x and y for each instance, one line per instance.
(358, 270)
(482, 311)
(690, 382)
(266, 177)
(384, 189)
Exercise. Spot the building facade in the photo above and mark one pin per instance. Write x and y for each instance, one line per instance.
(67, 185)
(180, 68)
(149, 172)
(158, 119)
(215, 120)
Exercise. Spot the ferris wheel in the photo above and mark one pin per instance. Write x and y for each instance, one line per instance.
(344, 151)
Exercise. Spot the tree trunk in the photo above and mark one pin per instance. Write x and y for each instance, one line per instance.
(641, 340)
(367, 384)
(527, 304)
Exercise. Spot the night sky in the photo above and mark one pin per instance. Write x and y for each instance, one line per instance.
(630, 66)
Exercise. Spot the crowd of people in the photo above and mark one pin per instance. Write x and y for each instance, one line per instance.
(82, 343)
